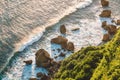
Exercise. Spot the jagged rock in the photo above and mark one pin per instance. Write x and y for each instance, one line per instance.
(32, 79)
(118, 22)
(28, 62)
(106, 37)
(62, 54)
(104, 3)
(63, 29)
(40, 74)
(112, 29)
(42, 58)
(59, 40)
(104, 23)
(70, 46)
(45, 77)
(105, 13)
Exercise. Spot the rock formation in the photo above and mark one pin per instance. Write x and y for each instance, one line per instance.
(106, 37)
(104, 3)
(63, 29)
(105, 13)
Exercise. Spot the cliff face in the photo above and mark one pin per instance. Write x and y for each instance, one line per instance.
(93, 63)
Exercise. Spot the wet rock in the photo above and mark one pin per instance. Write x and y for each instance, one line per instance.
(112, 29)
(62, 54)
(63, 29)
(75, 29)
(45, 77)
(40, 74)
(64, 45)
(58, 50)
(59, 40)
(32, 79)
(118, 22)
(113, 21)
(42, 58)
(106, 37)
(70, 46)
(104, 23)
(28, 62)
(56, 57)
(105, 13)
(104, 3)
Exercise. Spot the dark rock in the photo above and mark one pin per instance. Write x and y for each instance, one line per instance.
(104, 24)
(118, 22)
(112, 29)
(104, 3)
(63, 29)
(106, 37)
(40, 74)
(75, 29)
(105, 13)
(59, 50)
(32, 79)
(28, 62)
(62, 54)
(70, 46)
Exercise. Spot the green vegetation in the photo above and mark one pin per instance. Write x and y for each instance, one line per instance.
(93, 63)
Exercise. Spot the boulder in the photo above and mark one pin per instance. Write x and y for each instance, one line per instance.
(70, 46)
(63, 29)
(59, 40)
(105, 13)
(28, 62)
(42, 57)
(118, 22)
(106, 37)
(104, 23)
(104, 3)
(32, 79)
(112, 29)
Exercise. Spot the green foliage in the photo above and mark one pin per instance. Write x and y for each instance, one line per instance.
(93, 63)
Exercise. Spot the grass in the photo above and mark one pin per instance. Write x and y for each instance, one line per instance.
(93, 63)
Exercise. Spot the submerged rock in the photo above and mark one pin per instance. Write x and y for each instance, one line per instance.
(70, 46)
(28, 62)
(42, 58)
(104, 3)
(105, 13)
(63, 29)
(106, 37)
(62, 54)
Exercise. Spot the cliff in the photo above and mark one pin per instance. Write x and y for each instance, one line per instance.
(93, 63)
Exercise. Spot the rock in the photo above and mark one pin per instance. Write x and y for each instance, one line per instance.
(62, 54)
(105, 13)
(118, 22)
(113, 21)
(45, 77)
(106, 37)
(64, 45)
(63, 29)
(112, 29)
(59, 40)
(58, 50)
(28, 62)
(70, 46)
(32, 79)
(104, 23)
(104, 3)
(40, 74)
(42, 58)
(75, 29)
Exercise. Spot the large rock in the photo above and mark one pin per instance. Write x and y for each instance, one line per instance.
(63, 29)
(59, 40)
(70, 46)
(28, 62)
(42, 58)
(106, 13)
(112, 29)
(104, 3)
(118, 22)
(106, 37)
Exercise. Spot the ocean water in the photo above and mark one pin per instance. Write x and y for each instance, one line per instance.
(28, 25)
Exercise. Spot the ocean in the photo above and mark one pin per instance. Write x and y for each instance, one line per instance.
(28, 25)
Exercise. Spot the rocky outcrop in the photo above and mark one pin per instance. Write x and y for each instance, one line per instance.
(112, 29)
(42, 58)
(59, 40)
(106, 37)
(118, 22)
(28, 62)
(105, 13)
(70, 46)
(32, 79)
(104, 3)
(63, 29)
